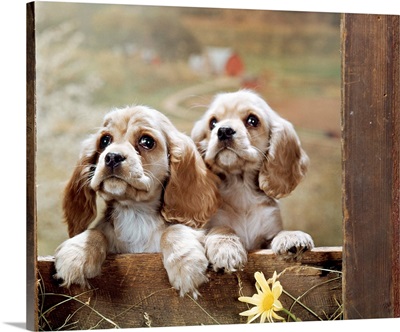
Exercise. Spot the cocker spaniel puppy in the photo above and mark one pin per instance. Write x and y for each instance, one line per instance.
(258, 157)
(158, 194)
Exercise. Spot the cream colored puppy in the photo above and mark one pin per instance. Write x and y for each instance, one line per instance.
(158, 194)
(259, 159)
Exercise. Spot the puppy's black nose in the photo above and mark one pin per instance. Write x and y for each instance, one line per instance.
(225, 133)
(112, 160)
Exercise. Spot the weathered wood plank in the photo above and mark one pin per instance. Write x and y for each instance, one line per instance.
(371, 127)
(134, 291)
(31, 294)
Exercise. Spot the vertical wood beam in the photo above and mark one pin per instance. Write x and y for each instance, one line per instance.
(370, 146)
(31, 255)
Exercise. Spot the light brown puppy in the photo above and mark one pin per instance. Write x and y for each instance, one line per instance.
(158, 193)
(259, 159)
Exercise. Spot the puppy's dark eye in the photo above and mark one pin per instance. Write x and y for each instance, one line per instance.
(252, 121)
(147, 142)
(213, 123)
(105, 141)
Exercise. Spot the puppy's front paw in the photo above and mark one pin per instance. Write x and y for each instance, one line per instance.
(184, 258)
(225, 252)
(291, 244)
(78, 259)
(187, 274)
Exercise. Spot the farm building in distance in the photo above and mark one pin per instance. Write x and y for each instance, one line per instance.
(217, 61)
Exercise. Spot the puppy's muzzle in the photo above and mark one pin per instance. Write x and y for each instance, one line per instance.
(113, 160)
(225, 133)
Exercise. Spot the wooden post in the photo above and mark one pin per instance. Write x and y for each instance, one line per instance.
(31, 257)
(371, 138)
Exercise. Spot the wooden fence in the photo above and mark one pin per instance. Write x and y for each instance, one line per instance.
(371, 171)
(134, 291)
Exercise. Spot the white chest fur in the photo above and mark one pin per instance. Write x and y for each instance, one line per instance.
(134, 230)
(253, 216)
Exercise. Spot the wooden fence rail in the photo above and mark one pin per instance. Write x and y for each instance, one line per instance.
(134, 291)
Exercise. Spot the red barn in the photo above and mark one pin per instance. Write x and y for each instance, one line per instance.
(234, 65)
(217, 61)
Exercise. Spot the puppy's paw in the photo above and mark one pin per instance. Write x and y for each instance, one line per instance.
(291, 244)
(225, 252)
(184, 258)
(78, 259)
(187, 274)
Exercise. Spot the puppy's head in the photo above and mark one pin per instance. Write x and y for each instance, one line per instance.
(138, 156)
(240, 134)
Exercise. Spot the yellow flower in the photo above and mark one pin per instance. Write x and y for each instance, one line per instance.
(266, 300)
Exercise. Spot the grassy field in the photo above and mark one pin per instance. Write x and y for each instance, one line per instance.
(84, 70)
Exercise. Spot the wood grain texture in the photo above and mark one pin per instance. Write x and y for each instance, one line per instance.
(134, 291)
(371, 126)
(31, 294)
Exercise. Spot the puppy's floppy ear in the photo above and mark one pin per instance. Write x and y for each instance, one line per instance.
(198, 134)
(79, 201)
(191, 194)
(286, 162)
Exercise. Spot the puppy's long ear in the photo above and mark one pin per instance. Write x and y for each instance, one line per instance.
(198, 135)
(286, 162)
(191, 195)
(79, 202)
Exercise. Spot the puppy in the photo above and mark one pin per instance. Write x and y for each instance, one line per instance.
(158, 194)
(259, 159)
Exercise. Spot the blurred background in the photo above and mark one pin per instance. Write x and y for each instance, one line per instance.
(94, 57)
